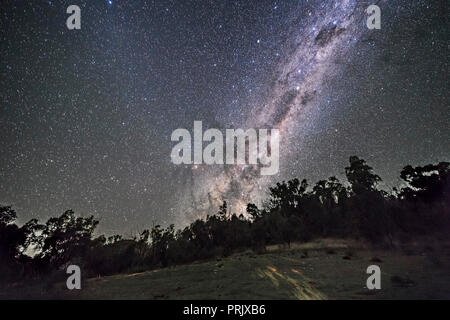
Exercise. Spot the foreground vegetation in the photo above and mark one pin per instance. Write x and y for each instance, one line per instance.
(322, 269)
(294, 212)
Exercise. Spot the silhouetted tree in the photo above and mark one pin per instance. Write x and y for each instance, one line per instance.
(253, 211)
(360, 175)
(66, 237)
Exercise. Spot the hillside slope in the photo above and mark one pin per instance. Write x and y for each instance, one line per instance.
(318, 270)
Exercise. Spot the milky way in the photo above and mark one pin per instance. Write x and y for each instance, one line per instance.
(330, 30)
(86, 115)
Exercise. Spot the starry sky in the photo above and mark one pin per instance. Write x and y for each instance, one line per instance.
(86, 115)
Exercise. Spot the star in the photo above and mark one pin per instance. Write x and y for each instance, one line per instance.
(79, 108)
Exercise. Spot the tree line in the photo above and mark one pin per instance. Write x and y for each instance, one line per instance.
(294, 211)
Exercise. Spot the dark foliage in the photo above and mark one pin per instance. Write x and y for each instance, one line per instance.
(293, 212)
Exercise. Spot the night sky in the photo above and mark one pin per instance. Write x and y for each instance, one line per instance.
(86, 115)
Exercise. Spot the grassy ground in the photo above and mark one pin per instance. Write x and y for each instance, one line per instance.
(325, 269)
